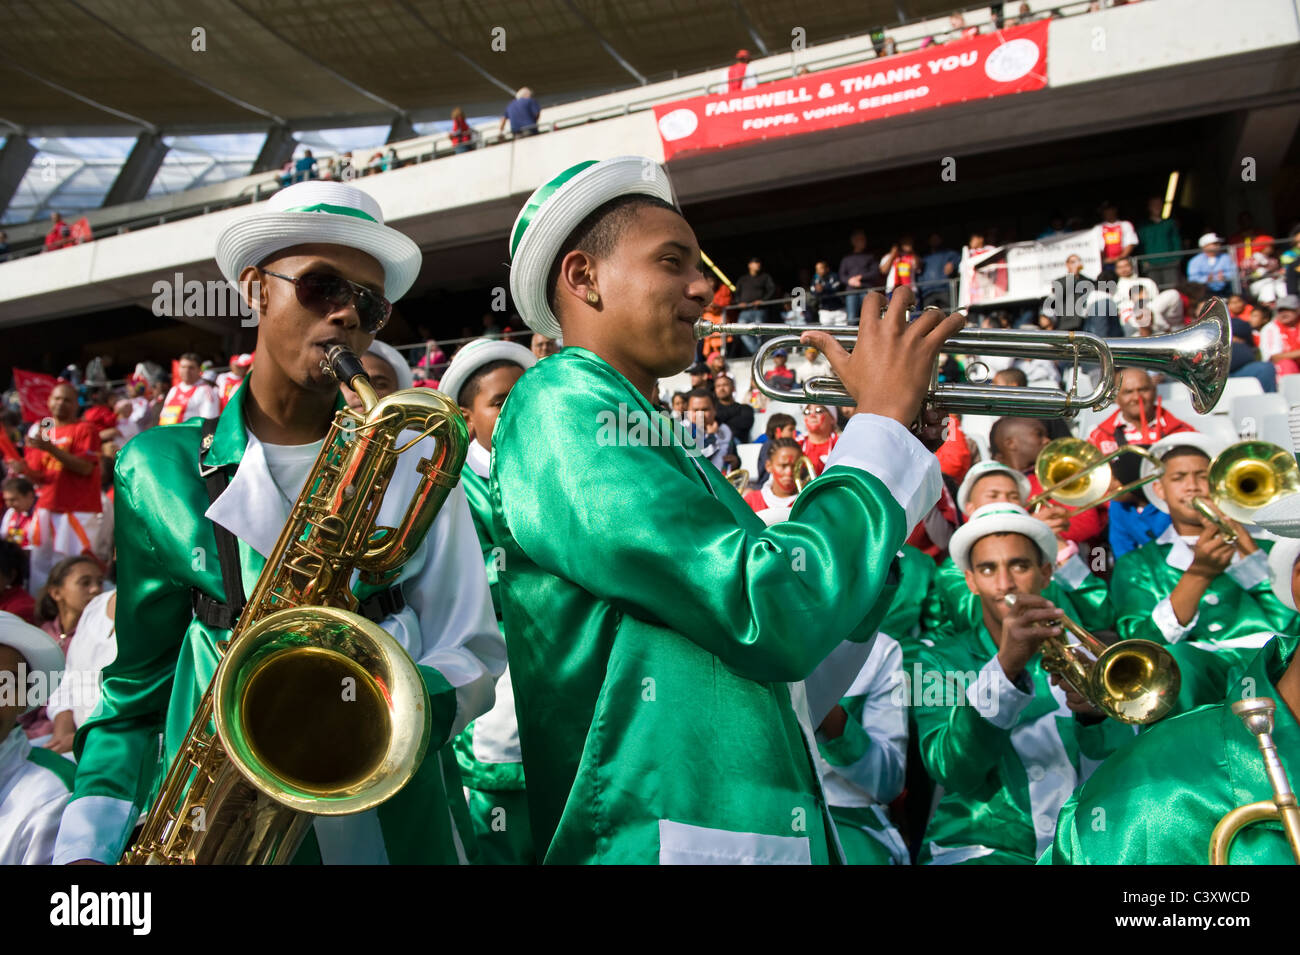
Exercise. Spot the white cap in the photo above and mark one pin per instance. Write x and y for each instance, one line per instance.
(982, 470)
(1208, 238)
(1001, 517)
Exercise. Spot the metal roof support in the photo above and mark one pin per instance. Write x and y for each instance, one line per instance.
(401, 129)
(15, 157)
(138, 171)
(604, 44)
(277, 149)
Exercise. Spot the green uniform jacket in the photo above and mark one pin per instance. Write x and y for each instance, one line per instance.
(915, 571)
(1156, 802)
(1007, 755)
(166, 657)
(1237, 615)
(655, 623)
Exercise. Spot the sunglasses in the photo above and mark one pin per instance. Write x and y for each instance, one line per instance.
(325, 293)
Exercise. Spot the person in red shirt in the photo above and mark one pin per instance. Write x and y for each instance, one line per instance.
(779, 376)
(740, 75)
(99, 414)
(59, 235)
(1139, 419)
(62, 460)
(14, 597)
(1017, 442)
(899, 265)
(954, 454)
(820, 437)
(461, 134)
(779, 491)
(228, 382)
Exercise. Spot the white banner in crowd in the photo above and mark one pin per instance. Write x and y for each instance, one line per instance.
(1023, 271)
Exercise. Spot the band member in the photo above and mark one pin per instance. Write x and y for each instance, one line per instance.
(62, 460)
(1189, 588)
(318, 266)
(779, 491)
(34, 783)
(649, 609)
(1005, 742)
(479, 379)
(1073, 587)
(191, 397)
(1161, 797)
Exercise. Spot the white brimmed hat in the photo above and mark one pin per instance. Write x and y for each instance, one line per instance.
(1211, 447)
(983, 470)
(475, 355)
(555, 209)
(394, 358)
(1208, 238)
(41, 652)
(320, 211)
(1000, 518)
(1281, 564)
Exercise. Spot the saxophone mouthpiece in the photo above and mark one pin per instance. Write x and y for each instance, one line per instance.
(342, 363)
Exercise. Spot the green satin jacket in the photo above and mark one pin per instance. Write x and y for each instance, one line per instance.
(655, 623)
(166, 656)
(1007, 755)
(1237, 615)
(1157, 801)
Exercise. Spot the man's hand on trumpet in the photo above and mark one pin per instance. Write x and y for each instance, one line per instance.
(888, 372)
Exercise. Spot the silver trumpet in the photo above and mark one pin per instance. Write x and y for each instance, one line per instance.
(1197, 356)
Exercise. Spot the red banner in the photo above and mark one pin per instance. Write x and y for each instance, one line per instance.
(995, 64)
(34, 392)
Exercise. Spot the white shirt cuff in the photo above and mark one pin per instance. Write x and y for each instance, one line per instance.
(1166, 620)
(995, 697)
(885, 449)
(94, 827)
(1250, 571)
(1072, 573)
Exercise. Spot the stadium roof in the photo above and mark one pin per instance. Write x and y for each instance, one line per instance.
(105, 67)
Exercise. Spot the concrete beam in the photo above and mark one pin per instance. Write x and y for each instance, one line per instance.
(15, 158)
(401, 130)
(139, 170)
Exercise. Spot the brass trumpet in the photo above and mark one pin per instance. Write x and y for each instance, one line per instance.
(739, 479)
(1133, 681)
(1243, 479)
(1198, 357)
(804, 473)
(1257, 714)
(1074, 473)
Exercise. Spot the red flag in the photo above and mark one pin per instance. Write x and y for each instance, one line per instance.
(176, 372)
(34, 392)
(7, 450)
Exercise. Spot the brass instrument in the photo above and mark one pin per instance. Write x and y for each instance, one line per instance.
(1257, 714)
(1074, 473)
(739, 479)
(804, 473)
(1197, 356)
(317, 710)
(1133, 681)
(1244, 478)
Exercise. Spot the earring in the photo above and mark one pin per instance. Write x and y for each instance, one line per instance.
(593, 298)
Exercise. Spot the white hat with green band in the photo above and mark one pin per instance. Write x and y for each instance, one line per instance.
(326, 212)
(1001, 517)
(555, 209)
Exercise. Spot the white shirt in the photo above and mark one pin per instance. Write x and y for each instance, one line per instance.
(93, 648)
(290, 464)
(203, 403)
(31, 803)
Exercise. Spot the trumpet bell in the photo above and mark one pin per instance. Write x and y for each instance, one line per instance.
(1250, 474)
(1136, 681)
(1067, 458)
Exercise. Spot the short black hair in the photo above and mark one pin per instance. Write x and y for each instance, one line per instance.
(778, 444)
(702, 393)
(1016, 375)
(191, 356)
(469, 390)
(779, 421)
(1183, 450)
(19, 485)
(1009, 422)
(599, 233)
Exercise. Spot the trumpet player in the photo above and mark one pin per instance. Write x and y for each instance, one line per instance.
(1004, 740)
(1158, 801)
(319, 268)
(1210, 600)
(652, 615)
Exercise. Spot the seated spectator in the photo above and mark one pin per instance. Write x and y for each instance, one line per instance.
(20, 511)
(14, 597)
(827, 290)
(778, 426)
(59, 235)
(779, 376)
(821, 435)
(1279, 340)
(462, 137)
(1213, 266)
(679, 404)
(701, 376)
(77, 696)
(712, 438)
(34, 783)
(542, 346)
(1139, 417)
(778, 490)
(522, 112)
(736, 416)
(1264, 273)
(1133, 296)
(304, 167)
(1246, 362)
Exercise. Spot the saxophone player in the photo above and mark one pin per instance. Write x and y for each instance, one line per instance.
(319, 268)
